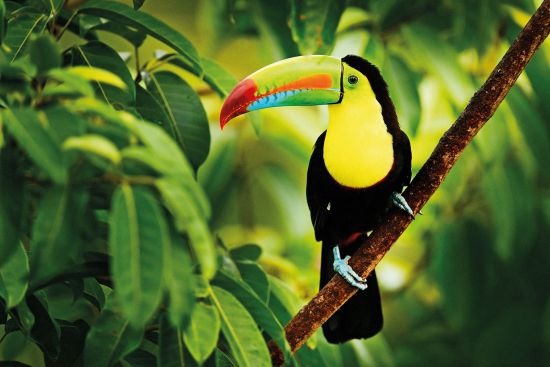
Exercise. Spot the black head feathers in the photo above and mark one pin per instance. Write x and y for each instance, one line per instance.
(379, 87)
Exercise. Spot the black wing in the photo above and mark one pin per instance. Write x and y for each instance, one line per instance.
(316, 183)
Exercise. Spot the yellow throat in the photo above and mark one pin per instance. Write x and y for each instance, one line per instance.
(358, 150)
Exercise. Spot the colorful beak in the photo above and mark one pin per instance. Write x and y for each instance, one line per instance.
(298, 81)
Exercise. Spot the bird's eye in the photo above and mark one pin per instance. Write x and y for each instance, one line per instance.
(352, 79)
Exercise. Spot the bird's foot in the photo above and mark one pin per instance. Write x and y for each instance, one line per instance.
(341, 267)
(400, 202)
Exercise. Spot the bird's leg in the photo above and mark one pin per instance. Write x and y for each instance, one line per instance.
(341, 267)
(400, 202)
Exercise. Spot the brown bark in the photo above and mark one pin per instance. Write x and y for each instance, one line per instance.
(480, 108)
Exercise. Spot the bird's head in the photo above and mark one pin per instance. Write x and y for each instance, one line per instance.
(304, 81)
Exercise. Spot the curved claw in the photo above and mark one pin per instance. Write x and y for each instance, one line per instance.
(399, 201)
(341, 267)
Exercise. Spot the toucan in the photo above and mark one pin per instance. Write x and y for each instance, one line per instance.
(357, 171)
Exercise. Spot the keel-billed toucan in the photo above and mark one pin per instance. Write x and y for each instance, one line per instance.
(358, 168)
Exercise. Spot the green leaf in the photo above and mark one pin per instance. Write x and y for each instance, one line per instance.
(55, 235)
(223, 360)
(536, 132)
(537, 72)
(189, 219)
(216, 175)
(239, 329)
(72, 339)
(149, 108)
(273, 25)
(314, 24)
(162, 154)
(24, 317)
(30, 130)
(136, 38)
(219, 79)
(171, 350)
(187, 119)
(13, 345)
(121, 13)
(137, 228)
(45, 331)
(259, 310)
(513, 233)
(249, 251)
(282, 301)
(45, 53)
(96, 145)
(117, 87)
(19, 32)
(256, 278)
(481, 16)
(13, 364)
(11, 201)
(98, 75)
(391, 14)
(179, 281)
(70, 83)
(14, 277)
(94, 293)
(138, 3)
(441, 59)
(464, 245)
(308, 356)
(111, 337)
(2, 21)
(507, 338)
(202, 334)
(63, 123)
(404, 92)
(142, 357)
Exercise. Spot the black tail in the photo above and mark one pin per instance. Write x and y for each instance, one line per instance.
(361, 316)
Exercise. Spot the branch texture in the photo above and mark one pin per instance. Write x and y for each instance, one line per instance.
(480, 108)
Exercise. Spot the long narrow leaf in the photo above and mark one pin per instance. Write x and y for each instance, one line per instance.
(239, 329)
(26, 126)
(11, 197)
(188, 219)
(262, 315)
(202, 334)
(55, 235)
(171, 349)
(110, 338)
(144, 22)
(187, 121)
(137, 233)
(14, 277)
(179, 281)
(314, 24)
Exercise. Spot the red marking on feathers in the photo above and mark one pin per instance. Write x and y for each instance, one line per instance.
(351, 238)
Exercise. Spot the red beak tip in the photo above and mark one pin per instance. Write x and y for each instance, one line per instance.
(224, 119)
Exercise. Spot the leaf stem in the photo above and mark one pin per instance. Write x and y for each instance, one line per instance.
(62, 31)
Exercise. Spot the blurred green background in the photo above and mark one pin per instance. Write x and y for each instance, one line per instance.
(468, 283)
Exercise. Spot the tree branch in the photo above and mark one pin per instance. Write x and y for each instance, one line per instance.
(480, 108)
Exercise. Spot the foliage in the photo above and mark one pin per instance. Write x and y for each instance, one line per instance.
(112, 252)
(105, 234)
